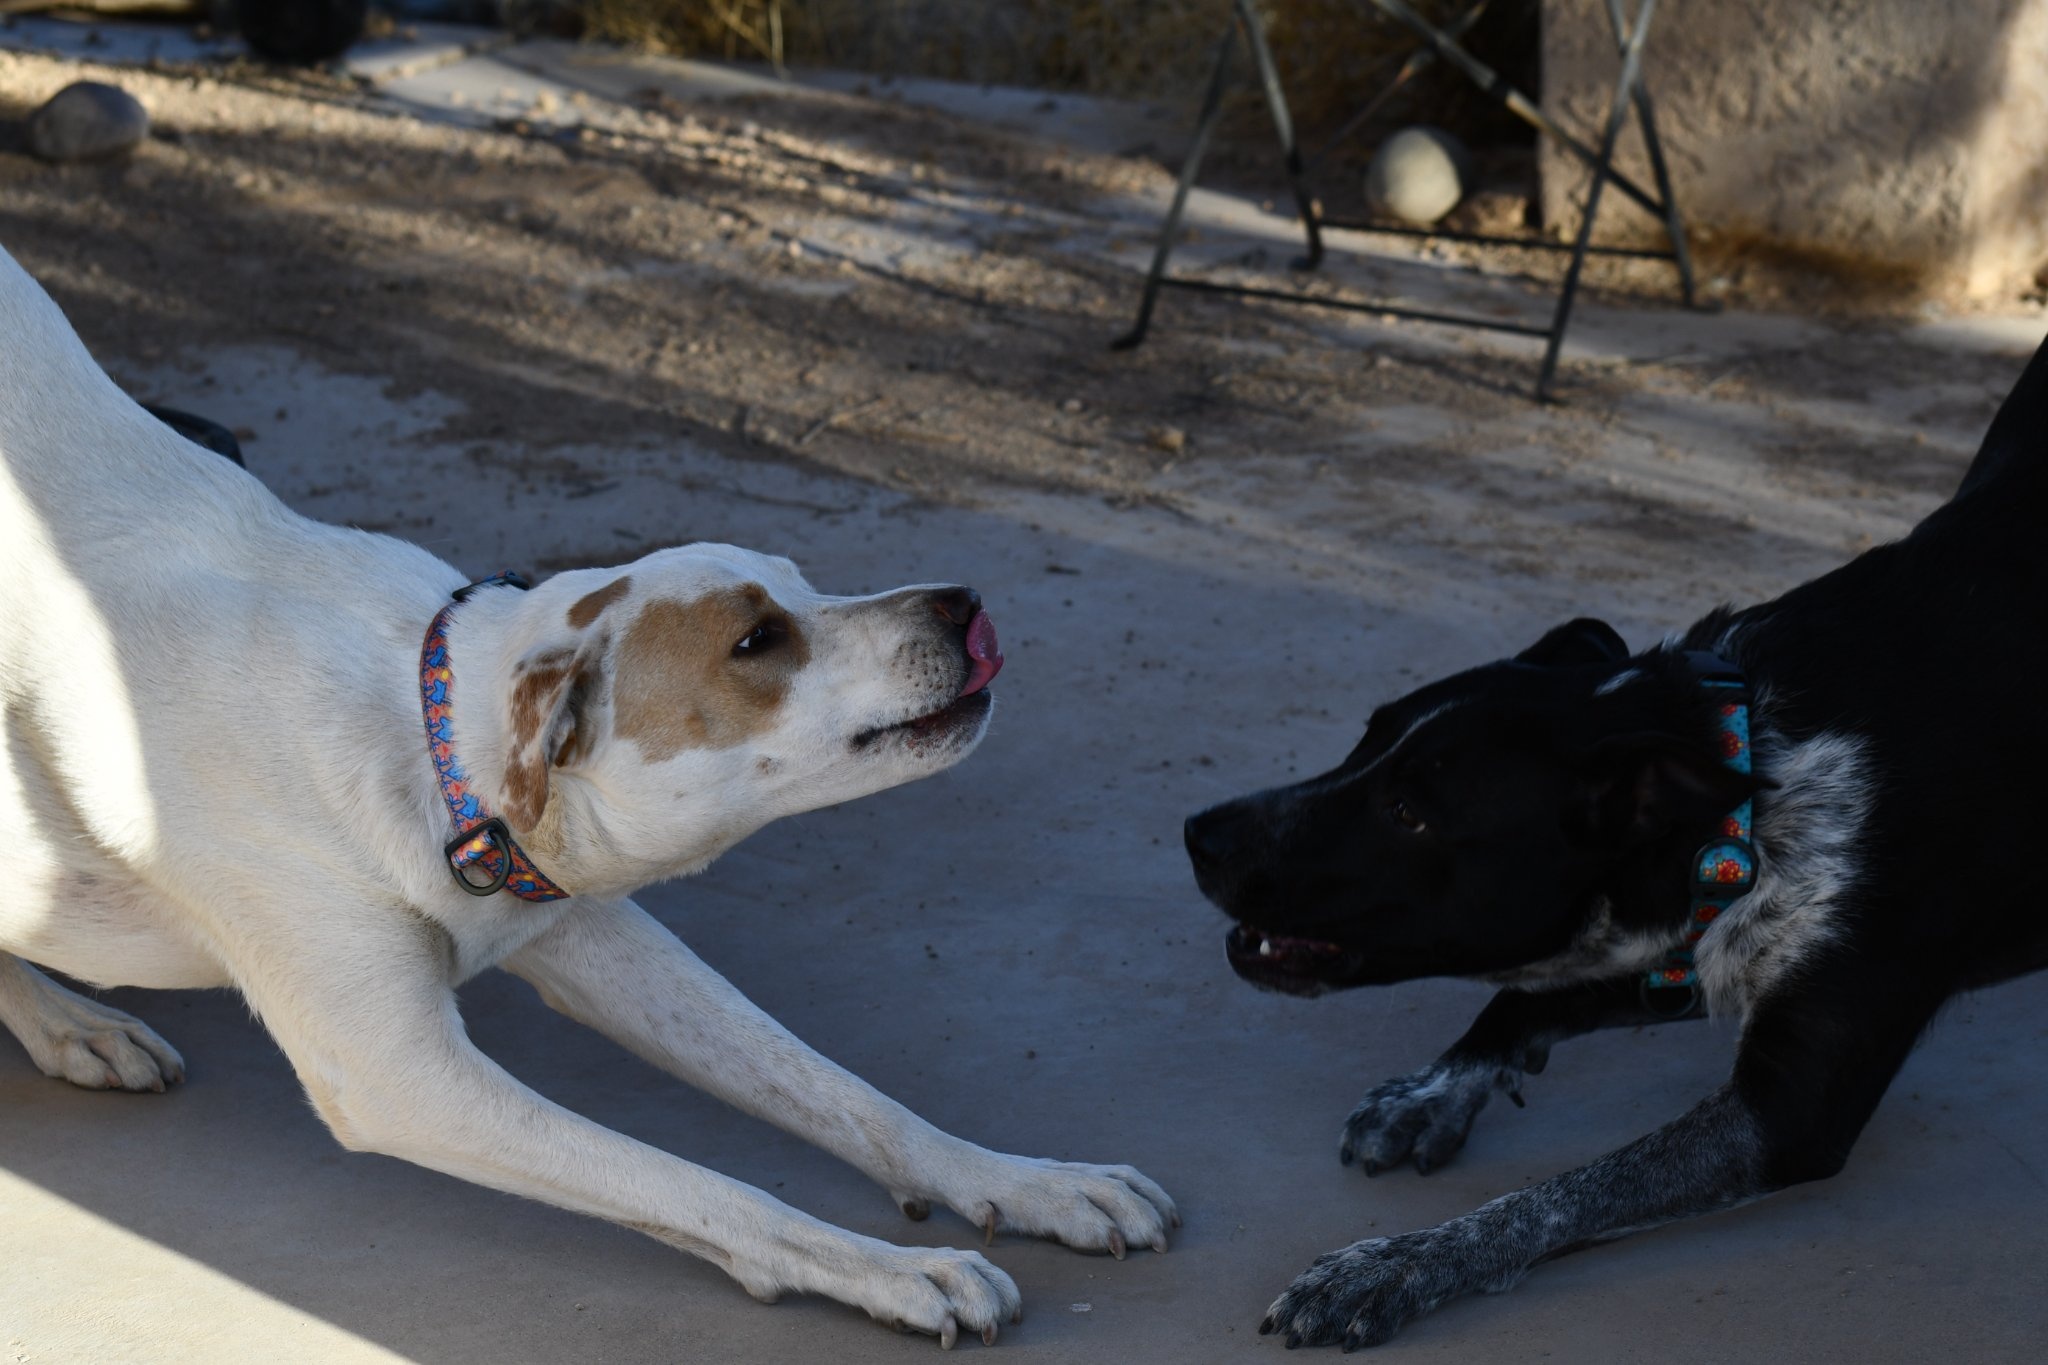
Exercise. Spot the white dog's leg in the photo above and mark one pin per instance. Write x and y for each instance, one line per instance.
(377, 1040)
(80, 1040)
(616, 969)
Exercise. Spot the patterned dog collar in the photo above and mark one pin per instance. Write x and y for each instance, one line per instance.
(481, 838)
(1724, 870)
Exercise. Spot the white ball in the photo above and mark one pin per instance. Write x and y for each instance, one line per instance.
(1418, 175)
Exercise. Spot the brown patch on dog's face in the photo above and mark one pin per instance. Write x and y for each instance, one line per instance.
(591, 605)
(682, 684)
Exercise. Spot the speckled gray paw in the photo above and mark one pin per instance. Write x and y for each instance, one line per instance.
(1422, 1117)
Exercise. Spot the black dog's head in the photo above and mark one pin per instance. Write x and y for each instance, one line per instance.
(1485, 824)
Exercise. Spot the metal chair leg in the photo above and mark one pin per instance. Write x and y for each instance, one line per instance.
(1646, 114)
(1617, 113)
(1674, 225)
(1212, 105)
(1283, 123)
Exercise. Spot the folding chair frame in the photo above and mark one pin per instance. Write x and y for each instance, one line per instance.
(1629, 91)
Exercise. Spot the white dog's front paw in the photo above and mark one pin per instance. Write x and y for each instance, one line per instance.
(1090, 1208)
(935, 1290)
(99, 1047)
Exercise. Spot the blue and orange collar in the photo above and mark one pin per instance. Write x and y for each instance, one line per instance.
(1724, 869)
(481, 838)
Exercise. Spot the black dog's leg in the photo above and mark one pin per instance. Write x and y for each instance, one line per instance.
(1426, 1115)
(1808, 1075)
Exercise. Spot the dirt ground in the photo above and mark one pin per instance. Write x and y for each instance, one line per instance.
(874, 335)
(910, 299)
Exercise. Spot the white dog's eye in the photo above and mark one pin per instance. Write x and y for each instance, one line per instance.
(760, 639)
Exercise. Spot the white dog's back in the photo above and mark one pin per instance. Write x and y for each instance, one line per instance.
(150, 594)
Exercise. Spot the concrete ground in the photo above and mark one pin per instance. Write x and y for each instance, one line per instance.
(1015, 948)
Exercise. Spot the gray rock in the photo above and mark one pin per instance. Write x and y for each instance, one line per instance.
(1418, 175)
(87, 121)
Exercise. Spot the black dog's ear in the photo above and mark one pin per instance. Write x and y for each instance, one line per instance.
(1584, 641)
(1646, 785)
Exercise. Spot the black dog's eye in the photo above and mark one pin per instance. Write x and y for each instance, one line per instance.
(1404, 815)
(760, 640)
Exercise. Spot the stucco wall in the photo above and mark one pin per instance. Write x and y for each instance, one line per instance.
(1902, 141)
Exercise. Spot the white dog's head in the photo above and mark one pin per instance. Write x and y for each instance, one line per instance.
(651, 716)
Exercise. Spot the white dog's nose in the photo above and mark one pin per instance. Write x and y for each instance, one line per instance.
(957, 605)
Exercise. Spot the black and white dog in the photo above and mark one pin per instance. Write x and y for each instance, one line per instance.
(1594, 832)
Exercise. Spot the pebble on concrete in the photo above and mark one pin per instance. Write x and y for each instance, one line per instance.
(87, 121)
(1172, 440)
(1418, 175)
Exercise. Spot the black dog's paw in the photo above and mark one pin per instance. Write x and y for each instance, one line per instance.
(1425, 1115)
(1366, 1292)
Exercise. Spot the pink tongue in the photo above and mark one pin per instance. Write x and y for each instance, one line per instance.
(985, 653)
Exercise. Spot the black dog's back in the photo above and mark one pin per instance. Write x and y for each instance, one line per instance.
(1932, 650)
(1916, 615)
(2015, 449)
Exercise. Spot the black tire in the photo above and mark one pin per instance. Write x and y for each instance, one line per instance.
(300, 32)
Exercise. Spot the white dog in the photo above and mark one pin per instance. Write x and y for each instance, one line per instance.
(214, 772)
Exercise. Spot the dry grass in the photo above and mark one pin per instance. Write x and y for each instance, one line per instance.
(1334, 53)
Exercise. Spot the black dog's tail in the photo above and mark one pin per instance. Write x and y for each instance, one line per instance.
(201, 431)
(2017, 444)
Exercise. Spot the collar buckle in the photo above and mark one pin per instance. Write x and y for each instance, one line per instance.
(478, 845)
(1671, 1000)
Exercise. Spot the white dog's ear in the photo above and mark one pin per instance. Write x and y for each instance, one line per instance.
(550, 723)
